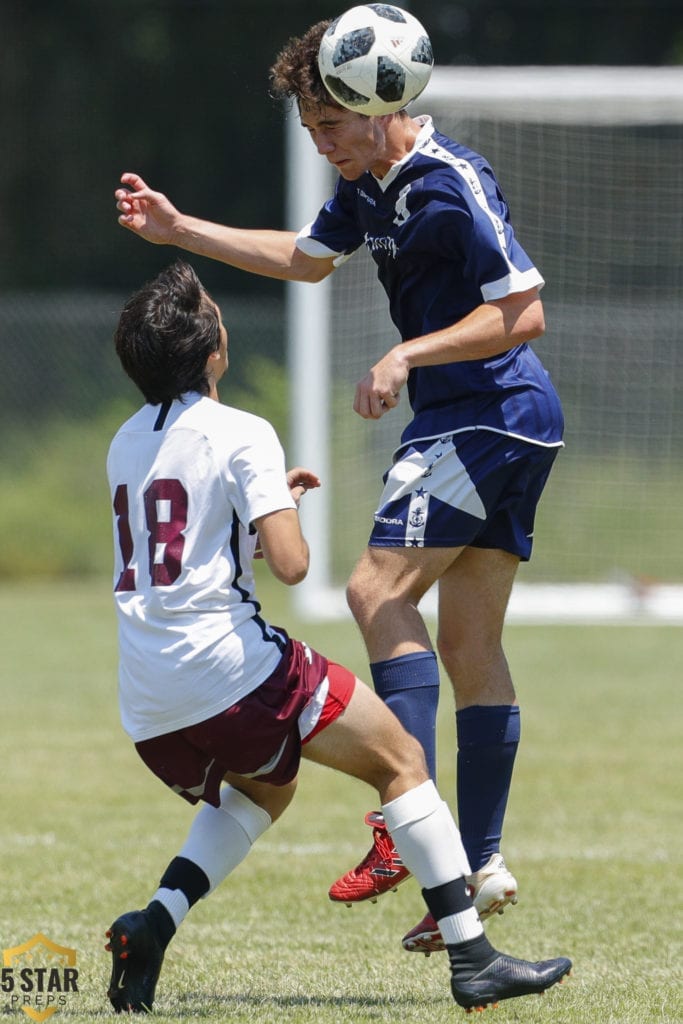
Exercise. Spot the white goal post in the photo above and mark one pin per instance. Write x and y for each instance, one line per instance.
(591, 161)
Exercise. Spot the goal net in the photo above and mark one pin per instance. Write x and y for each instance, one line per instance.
(591, 162)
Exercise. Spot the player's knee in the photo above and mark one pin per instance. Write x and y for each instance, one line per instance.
(478, 671)
(449, 649)
(416, 761)
(400, 755)
(398, 776)
(409, 760)
(360, 597)
(463, 652)
(368, 589)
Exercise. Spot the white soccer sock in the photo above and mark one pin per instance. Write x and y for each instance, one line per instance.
(221, 837)
(175, 902)
(426, 836)
(460, 927)
(429, 844)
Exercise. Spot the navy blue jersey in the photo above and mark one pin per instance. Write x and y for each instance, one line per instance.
(438, 228)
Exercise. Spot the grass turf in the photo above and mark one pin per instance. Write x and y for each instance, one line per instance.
(593, 834)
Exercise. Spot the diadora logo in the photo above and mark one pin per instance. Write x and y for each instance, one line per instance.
(38, 977)
(368, 199)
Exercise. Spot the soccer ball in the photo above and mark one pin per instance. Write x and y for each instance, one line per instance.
(375, 59)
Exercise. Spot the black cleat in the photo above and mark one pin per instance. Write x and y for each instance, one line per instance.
(504, 978)
(137, 957)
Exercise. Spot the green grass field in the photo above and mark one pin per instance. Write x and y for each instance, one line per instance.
(594, 836)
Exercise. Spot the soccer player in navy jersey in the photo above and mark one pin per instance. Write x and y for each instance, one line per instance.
(459, 500)
(222, 705)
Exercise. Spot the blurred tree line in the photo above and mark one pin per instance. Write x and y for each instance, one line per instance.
(178, 90)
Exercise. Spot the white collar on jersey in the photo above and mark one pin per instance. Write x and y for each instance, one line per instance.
(425, 133)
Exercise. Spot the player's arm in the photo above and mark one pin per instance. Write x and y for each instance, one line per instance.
(283, 545)
(489, 330)
(152, 216)
(280, 539)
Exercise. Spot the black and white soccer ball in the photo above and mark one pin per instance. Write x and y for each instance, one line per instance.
(375, 59)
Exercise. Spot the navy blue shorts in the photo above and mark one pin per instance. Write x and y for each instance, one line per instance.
(475, 488)
(261, 735)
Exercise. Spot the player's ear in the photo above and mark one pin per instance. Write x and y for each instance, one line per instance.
(217, 361)
(214, 361)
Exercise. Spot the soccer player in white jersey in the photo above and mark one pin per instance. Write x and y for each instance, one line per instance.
(459, 501)
(220, 704)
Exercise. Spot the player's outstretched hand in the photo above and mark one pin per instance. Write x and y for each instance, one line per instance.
(145, 212)
(301, 480)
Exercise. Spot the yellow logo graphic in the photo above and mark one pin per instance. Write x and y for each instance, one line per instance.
(38, 975)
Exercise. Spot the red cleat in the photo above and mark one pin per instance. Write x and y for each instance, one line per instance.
(425, 937)
(380, 870)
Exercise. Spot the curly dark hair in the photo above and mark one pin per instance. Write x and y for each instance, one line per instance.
(166, 332)
(295, 76)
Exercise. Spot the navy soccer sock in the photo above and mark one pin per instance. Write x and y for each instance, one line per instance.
(409, 685)
(488, 738)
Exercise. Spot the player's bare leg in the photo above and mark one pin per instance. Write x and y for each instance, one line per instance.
(474, 588)
(474, 592)
(401, 660)
(473, 597)
(219, 839)
(274, 800)
(392, 625)
(367, 741)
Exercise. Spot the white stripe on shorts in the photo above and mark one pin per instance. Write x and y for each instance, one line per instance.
(310, 716)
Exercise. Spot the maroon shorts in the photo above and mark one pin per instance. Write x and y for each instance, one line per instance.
(257, 737)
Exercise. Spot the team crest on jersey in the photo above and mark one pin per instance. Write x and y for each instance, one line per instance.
(417, 517)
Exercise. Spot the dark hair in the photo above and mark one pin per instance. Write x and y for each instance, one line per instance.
(295, 74)
(166, 332)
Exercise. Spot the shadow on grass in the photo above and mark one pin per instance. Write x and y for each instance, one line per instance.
(200, 1004)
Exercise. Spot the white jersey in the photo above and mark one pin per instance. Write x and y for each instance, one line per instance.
(187, 480)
